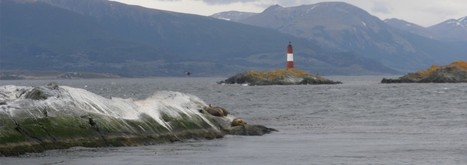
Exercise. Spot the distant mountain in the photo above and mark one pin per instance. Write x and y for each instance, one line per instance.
(111, 37)
(408, 27)
(233, 15)
(344, 27)
(450, 30)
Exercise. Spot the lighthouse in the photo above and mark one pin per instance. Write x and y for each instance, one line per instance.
(289, 56)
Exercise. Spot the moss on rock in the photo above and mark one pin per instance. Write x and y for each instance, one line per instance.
(29, 133)
(66, 119)
(37, 135)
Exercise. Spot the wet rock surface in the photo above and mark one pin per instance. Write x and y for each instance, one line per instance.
(250, 130)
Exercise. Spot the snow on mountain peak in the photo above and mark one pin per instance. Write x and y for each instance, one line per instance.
(311, 8)
(232, 15)
(462, 22)
(363, 23)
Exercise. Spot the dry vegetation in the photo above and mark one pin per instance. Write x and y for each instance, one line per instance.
(458, 64)
(278, 74)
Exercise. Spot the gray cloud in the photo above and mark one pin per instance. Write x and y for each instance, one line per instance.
(380, 8)
(421, 12)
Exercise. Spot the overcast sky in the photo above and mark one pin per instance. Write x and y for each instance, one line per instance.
(421, 12)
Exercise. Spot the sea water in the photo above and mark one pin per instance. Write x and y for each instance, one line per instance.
(358, 122)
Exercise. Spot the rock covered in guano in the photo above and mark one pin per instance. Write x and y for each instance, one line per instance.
(35, 119)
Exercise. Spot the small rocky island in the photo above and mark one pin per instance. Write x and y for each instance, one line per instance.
(455, 72)
(277, 77)
(35, 119)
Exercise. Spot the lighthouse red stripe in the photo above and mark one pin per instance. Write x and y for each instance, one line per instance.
(289, 64)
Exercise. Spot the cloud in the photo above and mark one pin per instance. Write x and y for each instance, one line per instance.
(379, 7)
(417, 11)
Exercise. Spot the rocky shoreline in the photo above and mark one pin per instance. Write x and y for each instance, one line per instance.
(277, 77)
(35, 119)
(455, 72)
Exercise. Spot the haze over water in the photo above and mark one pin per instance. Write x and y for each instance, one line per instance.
(358, 122)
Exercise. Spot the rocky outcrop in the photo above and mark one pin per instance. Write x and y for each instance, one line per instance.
(277, 77)
(455, 72)
(34, 119)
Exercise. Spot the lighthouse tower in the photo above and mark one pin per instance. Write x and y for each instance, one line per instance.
(289, 56)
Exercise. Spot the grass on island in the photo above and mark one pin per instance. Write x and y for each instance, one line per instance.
(457, 64)
(278, 74)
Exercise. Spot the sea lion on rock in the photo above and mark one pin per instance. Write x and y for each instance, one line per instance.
(237, 122)
(216, 111)
(224, 111)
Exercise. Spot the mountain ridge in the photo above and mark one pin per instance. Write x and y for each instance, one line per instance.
(338, 25)
(232, 15)
(449, 30)
(127, 40)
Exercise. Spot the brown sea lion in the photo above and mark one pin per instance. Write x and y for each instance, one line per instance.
(237, 122)
(216, 111)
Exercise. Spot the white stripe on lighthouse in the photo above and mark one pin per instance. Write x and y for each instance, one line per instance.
(289, 56)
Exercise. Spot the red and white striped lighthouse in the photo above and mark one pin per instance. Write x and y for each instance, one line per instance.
(289, 56)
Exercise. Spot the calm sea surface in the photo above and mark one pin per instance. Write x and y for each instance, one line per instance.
(358, 122)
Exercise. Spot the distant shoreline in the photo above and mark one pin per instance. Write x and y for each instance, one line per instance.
(45, 75)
